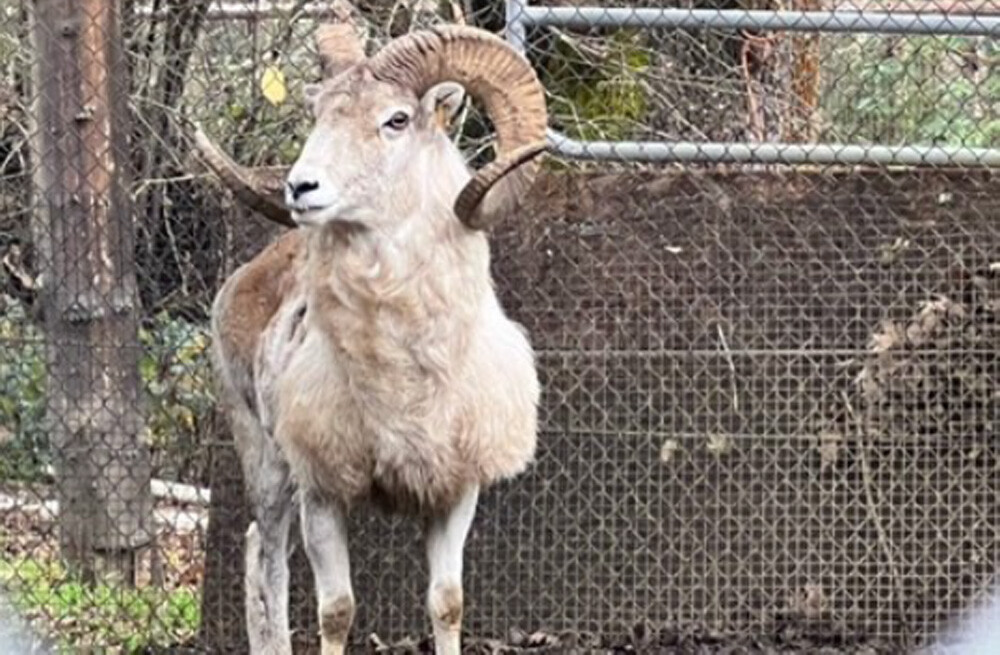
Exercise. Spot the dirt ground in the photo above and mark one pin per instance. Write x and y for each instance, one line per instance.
(572, 644)
(665, 643)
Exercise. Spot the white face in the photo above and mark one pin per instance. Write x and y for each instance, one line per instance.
(372, 151)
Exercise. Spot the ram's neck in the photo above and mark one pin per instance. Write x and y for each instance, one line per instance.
(408, 298)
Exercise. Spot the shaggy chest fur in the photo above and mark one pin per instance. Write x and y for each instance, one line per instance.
(372, 400)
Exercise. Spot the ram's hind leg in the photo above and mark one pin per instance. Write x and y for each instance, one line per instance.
(446, 536)
(269, 488)
(324, 532)
(266, 590)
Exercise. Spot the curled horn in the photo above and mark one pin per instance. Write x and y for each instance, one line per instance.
(340, 43)
(499, 77)
(260, 189)
(341, 46)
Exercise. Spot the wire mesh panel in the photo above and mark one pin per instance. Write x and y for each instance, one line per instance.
(769, 390)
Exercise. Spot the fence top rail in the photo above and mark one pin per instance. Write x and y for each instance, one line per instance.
(773, 153)
(865, 13)
(840, 21)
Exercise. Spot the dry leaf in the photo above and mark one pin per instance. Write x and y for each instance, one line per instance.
(829, 448)
(670, 446)
(272, 85)
(719, 444)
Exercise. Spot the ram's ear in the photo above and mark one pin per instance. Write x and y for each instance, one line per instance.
(443, 101)
(310, 93)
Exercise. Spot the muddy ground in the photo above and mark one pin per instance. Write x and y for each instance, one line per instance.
(665, 643)
(590, 645)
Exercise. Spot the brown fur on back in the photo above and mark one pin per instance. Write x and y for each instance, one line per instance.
(253, 294)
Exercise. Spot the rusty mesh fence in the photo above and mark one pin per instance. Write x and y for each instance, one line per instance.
(770, 372)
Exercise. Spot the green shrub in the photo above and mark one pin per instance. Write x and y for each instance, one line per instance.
(177, 385)
(24, 450)
(599, 97)
(101, 615)
(176, 374)
(918, 90)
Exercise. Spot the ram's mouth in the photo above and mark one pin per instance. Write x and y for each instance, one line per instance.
(320, 215)
(319, 202)
(301, 208)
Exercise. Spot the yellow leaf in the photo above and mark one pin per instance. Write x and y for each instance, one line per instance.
(272, 85)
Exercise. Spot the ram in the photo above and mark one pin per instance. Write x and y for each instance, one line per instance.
(364, 358)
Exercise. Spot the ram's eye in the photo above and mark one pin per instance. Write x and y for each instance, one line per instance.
(398, 121)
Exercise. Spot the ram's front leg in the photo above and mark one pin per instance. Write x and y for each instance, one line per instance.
(446, 536)
(324, 532)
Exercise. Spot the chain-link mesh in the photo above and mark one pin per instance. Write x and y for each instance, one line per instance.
(770, 392)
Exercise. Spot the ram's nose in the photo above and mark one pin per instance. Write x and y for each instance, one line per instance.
(303, 188)
(299, 188)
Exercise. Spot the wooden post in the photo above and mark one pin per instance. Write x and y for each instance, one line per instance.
(84, 241)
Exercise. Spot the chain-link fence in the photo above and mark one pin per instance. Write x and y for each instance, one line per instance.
(761, 271)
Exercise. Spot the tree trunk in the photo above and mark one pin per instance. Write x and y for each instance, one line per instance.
(804, 125)
(85, 249)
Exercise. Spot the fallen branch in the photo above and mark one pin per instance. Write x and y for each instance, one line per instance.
(181, 492)
(178, 492)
